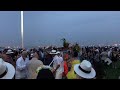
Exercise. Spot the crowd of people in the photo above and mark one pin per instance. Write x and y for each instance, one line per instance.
(57, 63)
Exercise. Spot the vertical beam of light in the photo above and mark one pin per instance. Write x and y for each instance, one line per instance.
(22, 29)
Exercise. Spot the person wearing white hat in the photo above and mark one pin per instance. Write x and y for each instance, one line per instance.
(60, 70)
(84, 70)
(7, 70)
(8, 57)
(54, 52)
(9, 51)
(56, 64)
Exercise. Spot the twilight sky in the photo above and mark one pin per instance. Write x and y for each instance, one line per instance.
(10, 28)
(48, 27)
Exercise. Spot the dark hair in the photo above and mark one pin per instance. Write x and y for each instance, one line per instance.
(75, 54)
(105, 49)
(45, 74)
(115, 49)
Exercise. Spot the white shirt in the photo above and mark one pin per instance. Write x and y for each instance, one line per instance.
(109, 53)
(55, 61)
(21, 69)
(58, 61)
(61, 63)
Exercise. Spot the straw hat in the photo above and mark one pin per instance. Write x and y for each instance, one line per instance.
(58, 52)
(53, 52)
(9, 51)
(7, 70)
(85, 70)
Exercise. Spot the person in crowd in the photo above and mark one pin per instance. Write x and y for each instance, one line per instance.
(15, 55)
(44, 73)
(74, 60)
(21, 66)
(109, 53)
(65, 58)
(104, 54)
(114, 58)
(1, 54)
(84, 70)
(98, 66)
(32, 65)
(60, 70)
(41, 54)
(48, 59)
(8, 57)
(57, 64)
(7, 70)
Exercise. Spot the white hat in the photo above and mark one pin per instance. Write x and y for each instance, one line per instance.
(53, 52)
(14, 49)
(7, 70)
(31, 55)
(58, 52)
(97, 50)
(85, 70)
(9, 51)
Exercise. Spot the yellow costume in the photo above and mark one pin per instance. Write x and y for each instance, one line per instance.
(71, 74)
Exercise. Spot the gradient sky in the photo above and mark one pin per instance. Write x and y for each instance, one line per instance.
(10, 28)
(48, 27)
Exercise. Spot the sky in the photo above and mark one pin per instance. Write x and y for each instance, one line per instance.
(48, 27)
(10, 28)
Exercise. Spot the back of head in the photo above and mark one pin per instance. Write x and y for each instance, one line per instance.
(45, 74)
(75, 54)
(0, 52)
(32, 66)
(35, 55)
(105, 49)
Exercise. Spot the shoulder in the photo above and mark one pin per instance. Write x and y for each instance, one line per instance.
(75, 61)
(19, 59)
(35, 62)
(30, 61)
(56, 57)
(61, 58)
(39, 61)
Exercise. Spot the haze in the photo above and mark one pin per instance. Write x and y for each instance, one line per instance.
(48, 27)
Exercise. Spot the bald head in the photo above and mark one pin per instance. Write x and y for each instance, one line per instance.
(24, 54)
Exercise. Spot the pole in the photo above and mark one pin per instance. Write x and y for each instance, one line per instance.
(22, 29)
